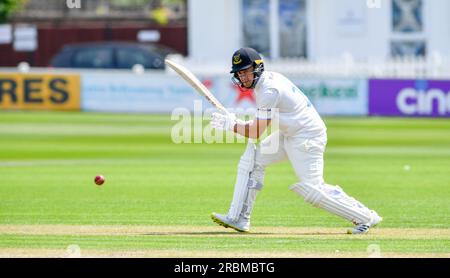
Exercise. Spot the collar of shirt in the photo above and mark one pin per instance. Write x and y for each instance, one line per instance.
(260, 80)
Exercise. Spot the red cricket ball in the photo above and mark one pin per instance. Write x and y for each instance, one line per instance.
(99, 180)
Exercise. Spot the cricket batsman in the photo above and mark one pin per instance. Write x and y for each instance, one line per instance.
(301, 139)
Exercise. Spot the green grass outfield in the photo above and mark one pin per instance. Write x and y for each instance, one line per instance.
(158, 195)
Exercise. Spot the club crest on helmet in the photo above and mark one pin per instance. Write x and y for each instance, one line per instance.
(237, 59)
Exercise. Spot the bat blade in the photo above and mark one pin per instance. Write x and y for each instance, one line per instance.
(195, 83)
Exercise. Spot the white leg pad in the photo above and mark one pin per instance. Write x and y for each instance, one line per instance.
(333, 199)
(245, 166)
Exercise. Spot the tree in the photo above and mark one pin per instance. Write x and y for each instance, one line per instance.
(7, 8)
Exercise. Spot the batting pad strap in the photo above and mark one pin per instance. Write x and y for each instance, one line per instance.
(245, 166)
(334, 201)
(249, 202)
(255, 184)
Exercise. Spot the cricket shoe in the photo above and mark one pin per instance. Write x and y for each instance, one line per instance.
(364, 228)
(241, 225)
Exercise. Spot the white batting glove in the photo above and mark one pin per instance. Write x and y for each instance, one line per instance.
(223, 122)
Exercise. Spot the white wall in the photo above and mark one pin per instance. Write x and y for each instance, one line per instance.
(438, 26)
(326, 38)
(329, 37)
(214, 28)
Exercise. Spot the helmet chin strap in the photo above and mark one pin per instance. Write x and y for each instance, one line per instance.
(253, 83)
(257, 74)
(255, 80)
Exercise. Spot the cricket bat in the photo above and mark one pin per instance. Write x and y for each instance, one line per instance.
(196, 84)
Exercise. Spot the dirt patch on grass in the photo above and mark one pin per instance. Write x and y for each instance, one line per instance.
(216, 231)
(213, 231)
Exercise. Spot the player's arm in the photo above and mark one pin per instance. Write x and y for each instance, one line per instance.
(252, 129)
(266, 104)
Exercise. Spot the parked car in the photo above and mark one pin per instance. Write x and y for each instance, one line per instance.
(111, 55)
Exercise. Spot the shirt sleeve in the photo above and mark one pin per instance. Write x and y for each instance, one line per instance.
(267, 104)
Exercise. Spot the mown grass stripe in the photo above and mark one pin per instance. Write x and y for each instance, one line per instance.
(356, 244)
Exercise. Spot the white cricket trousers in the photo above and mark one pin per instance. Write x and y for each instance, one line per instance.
(305, 155)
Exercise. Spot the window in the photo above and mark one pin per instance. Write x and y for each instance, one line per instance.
(93, 58)
(292, 14)
(407, 16)
(127, 58)
(408, 48)
(408, 37)
(275, 28)
(256, 25)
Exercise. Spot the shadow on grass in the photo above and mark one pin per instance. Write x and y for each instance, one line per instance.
(233, 233)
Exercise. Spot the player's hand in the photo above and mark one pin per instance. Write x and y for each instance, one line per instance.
(223, 122)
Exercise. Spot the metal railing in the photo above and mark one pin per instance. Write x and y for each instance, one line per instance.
(433, 67)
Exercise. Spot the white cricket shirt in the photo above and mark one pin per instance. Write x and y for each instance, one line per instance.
(277, 98)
